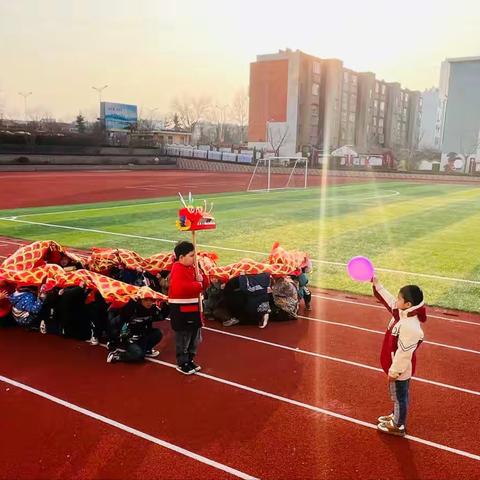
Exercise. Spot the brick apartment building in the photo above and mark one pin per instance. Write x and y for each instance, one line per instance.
(314, 102)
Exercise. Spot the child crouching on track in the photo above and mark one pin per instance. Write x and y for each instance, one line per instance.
(402, 338)
(183, 299)
(131, 329)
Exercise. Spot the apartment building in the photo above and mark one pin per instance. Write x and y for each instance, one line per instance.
(312, 102)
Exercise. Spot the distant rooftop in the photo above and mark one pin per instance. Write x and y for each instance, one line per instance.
(463, 59)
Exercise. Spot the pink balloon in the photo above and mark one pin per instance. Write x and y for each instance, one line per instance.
(360, 269)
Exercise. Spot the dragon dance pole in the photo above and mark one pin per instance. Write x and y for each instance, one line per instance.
(191, 218)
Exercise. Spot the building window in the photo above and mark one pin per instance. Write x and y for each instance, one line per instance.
(380, 122)
(345, 77)
(375, 105)
(170, 139)
(345, 103)
(351, 117)
(354, 79)
(315, 110)
(315, 89)
(377, 87)
(383, 89)
(382, 106)
(316, 67)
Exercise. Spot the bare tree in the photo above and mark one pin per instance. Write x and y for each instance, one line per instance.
(218, 114)
(240, 110)
(277, 136)
(469, 146)
(190, 110)
(172, 121)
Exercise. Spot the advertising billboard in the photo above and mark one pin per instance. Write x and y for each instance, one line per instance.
(118, 116)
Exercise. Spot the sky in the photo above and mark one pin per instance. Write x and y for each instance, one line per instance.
(150, 51)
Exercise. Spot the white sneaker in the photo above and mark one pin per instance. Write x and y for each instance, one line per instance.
(385, 418)
(93, 341)
(152, 353)
(113, 357)
(264, 321)
(230, 322)
(43, 327)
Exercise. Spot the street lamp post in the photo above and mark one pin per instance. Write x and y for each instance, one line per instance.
(99, 90)
(25, 95)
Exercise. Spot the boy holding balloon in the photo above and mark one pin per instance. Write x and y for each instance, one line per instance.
(402, 338)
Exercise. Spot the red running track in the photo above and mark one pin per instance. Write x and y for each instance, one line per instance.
(262, 436)
(34, 189)
(254, 433)
(248, 430)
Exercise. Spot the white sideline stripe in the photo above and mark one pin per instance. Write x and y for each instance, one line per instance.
(320, 410)
(425, 275)
(383, 308)
(336, 359)
(126, 428)
(13, 243)
(355, 327)
(130, 205)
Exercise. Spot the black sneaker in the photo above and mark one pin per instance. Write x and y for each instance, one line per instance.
(195, 367)
(186, 369)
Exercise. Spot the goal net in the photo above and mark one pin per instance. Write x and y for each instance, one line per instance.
(277, 173)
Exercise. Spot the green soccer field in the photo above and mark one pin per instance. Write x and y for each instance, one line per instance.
(424, 234)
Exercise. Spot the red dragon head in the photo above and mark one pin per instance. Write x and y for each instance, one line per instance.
(191, 218)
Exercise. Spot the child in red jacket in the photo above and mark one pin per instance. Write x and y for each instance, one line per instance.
(183, 299)
(403, 336)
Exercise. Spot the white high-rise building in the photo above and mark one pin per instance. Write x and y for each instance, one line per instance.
(429, 118)
(458, 119)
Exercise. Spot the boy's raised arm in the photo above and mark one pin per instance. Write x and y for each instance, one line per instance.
(385, 297)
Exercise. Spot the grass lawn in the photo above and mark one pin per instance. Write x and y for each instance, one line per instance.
(428, 229)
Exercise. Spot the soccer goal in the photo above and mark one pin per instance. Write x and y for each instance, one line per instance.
(279, 173)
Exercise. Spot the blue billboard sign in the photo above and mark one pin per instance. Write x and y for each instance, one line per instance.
(118, 116)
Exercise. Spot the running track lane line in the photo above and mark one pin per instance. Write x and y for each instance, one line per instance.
(383, 308)
(336, 359)
(131, 205)
(340, 264)
(126, 428)
(320, 410)
(363, 329)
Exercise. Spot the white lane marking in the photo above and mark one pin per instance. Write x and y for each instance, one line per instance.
(320, 410)
(126, 428)
(383, 308)
(130, 205)
(336, 359)
(10, 242)
(378, 332)
(54, 225)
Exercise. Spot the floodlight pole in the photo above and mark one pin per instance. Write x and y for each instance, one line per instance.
(268, 174)
(306, 172)
(25, 95)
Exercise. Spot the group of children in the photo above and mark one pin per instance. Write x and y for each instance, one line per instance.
(244, 299)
